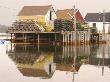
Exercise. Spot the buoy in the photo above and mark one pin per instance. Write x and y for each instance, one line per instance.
(2, 41)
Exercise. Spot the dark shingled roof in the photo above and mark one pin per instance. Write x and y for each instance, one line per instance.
(34, 10)
(97, 17)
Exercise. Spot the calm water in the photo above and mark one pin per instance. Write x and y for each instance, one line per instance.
(44, 63)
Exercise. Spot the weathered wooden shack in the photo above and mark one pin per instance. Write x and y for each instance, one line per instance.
(44, 25)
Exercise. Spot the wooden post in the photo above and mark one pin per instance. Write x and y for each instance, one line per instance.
(85, 38)
(38, 41)
(80, 37)
(25, 37)
(63, 38)
(11, 47)
(11, 37)
(71, 37)
(68, 37)
(59, 38)
(55, 38)
(49, 39)
(28, 38)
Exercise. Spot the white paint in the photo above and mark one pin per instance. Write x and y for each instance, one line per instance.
(47, 17)
(99, 26)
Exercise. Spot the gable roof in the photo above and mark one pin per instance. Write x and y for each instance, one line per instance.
(34, 10)
(97, 17)
(63, 14)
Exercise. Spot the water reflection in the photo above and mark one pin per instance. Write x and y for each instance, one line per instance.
(43, 61)
(30, 62)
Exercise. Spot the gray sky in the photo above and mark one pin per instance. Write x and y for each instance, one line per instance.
(10, 8)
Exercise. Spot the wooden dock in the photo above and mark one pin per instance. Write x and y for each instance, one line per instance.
(29, 32)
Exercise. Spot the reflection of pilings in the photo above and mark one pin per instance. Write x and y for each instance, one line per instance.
(63, 52)
(25, 47)
(50, 69)
(71, 51)
(68, 51)
(103, 55)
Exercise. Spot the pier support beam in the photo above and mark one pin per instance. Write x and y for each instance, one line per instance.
(25, 37)
(55, 39)
(68, 37)
(11, 37)
(71, 37)
(63, 39)
(38, 41)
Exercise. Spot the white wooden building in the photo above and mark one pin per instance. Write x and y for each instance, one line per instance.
(96, 20)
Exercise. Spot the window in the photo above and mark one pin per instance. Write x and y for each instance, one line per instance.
(50, 15)
(94, 24)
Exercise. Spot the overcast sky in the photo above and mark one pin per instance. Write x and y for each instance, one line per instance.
(10, 8)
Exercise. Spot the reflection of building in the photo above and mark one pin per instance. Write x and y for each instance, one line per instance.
(99, 55)
(42, 68)
(65, 60)
(31, 63)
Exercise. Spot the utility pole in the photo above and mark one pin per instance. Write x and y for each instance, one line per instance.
(75, 42)
(103, 54)
(75, 54)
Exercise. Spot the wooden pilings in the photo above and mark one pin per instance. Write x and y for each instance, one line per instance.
(11, 36)
(68, 37)
(38, 41)
(65, 37)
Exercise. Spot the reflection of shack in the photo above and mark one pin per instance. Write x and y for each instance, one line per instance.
(67, 67)
(99, 61)
(33, 64)
(65, 60)
(100, 55)
(40, 68)
(65, 64)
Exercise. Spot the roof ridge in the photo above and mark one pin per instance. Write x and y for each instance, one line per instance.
(35, 10)
(37, 5)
